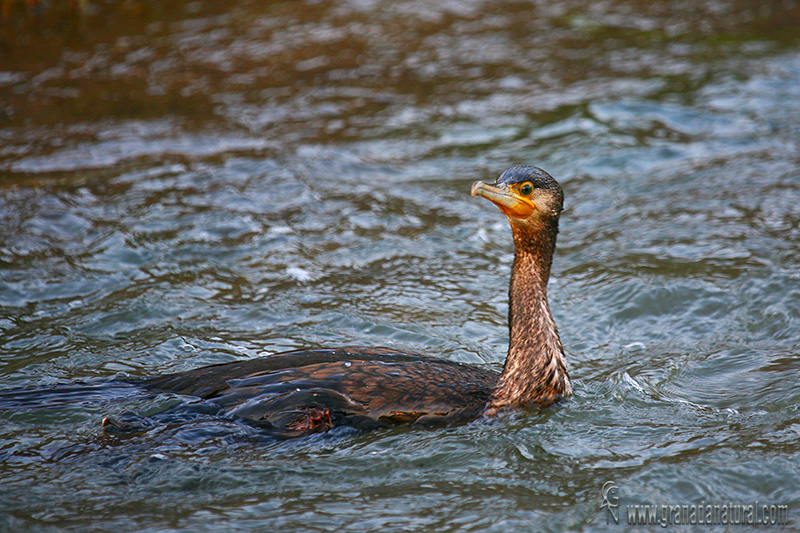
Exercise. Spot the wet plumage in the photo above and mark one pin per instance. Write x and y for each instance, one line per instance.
(313, 390)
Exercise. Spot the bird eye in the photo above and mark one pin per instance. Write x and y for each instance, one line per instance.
(526, 189)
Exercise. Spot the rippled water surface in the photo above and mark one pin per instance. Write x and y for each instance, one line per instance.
(199, 182)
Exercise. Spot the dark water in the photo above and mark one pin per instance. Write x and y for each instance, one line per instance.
(199, 182)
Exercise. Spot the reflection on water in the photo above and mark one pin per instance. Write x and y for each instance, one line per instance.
(200, 182)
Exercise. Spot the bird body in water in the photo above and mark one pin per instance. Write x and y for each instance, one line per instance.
(306, 391)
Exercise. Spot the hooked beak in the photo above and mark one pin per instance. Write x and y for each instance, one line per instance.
(507, 200)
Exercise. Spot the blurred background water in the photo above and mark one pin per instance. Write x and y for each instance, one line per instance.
(186, 183)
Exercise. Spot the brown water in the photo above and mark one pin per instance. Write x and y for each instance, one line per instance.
(199, 182)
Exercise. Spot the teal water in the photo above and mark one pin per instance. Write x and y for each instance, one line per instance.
(204, 182)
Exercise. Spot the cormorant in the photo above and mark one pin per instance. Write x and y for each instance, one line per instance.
(311, 390)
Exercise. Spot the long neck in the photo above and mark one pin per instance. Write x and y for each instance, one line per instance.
(535, 371)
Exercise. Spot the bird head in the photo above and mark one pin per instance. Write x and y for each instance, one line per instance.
(528, 196)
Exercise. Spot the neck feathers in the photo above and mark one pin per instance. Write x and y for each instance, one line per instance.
(535, 371)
